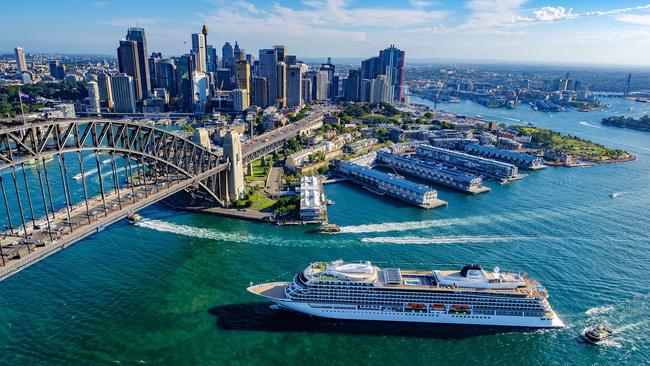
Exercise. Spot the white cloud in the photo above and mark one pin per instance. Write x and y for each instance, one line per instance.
(634, 19)
(551, 14)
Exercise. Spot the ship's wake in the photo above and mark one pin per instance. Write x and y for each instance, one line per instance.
(585, 123)
(192, 231)
(407, 225)
(599, 310)
(447, 239)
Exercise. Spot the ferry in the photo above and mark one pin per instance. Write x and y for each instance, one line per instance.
(363, 291)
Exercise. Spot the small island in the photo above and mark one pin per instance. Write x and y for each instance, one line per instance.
(581, 149)
(640, 124)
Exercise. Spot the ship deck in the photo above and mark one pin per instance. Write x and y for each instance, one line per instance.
(273, 290)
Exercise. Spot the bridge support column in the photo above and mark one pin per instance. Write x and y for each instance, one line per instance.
(232, 149)
(249, 167)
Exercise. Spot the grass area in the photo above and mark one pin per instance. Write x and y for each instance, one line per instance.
(572, 145)
(259, 171)
(260, 201)
(379, 118)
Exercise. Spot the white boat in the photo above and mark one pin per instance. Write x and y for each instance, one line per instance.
(362, 291)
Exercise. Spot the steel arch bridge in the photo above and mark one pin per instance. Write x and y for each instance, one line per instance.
(165, 164)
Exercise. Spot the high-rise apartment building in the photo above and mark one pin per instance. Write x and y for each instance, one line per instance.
(123, 88)
(21, 62)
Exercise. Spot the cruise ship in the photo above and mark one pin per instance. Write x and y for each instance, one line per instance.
(363, 291)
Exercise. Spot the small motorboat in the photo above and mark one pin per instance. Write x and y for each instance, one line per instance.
(133, 218)
(615, 194)
(598, 333)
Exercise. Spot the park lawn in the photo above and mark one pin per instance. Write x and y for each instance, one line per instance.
(259, 172)
(260, 201)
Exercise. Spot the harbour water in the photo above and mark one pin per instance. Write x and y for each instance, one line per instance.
(171, 290)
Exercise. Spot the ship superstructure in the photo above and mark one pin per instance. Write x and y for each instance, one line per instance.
(366, 292)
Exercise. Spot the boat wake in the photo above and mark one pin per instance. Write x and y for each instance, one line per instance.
(439, 239)
(599, 310)
(192, 231)
(585, 123)
(406, 225)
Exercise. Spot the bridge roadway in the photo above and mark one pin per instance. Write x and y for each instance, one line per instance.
(28, 245)
(275, 139)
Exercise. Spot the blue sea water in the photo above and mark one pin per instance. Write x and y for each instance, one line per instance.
(171, 290)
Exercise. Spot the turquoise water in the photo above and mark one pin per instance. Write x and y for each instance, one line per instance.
(172, 290)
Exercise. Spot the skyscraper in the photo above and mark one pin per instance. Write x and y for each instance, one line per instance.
(237, 52)
(184, 80)
(57, 70)
(227, 56)
(268, 69)
(123, 88)
(137, 35)
(352, 86)
(93, 98)
(244, 77)
(392, 65)
(153, 68)
(105, 90)
(294, 86)
(322, 85)
(281, 93)
(212, 59)
(240, 99)
(129, 64)
(280, 51)
(198, 49)
(260, 92)
(200, 90)
(21, 62)
(306, 90)
(166, 74)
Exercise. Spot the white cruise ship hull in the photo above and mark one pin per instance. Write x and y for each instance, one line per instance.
(352, 312)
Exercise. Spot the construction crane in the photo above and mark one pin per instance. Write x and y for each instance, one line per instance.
(627, 85)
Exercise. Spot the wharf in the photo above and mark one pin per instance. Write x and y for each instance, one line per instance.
(244, 214)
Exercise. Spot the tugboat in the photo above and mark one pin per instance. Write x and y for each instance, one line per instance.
(598, 333)
(133, 218)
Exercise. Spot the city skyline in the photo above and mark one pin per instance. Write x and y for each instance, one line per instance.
(597, 32)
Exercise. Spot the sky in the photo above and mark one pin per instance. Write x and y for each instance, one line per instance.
(540, 31)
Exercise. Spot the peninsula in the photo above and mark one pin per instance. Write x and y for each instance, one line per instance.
(640, 124)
